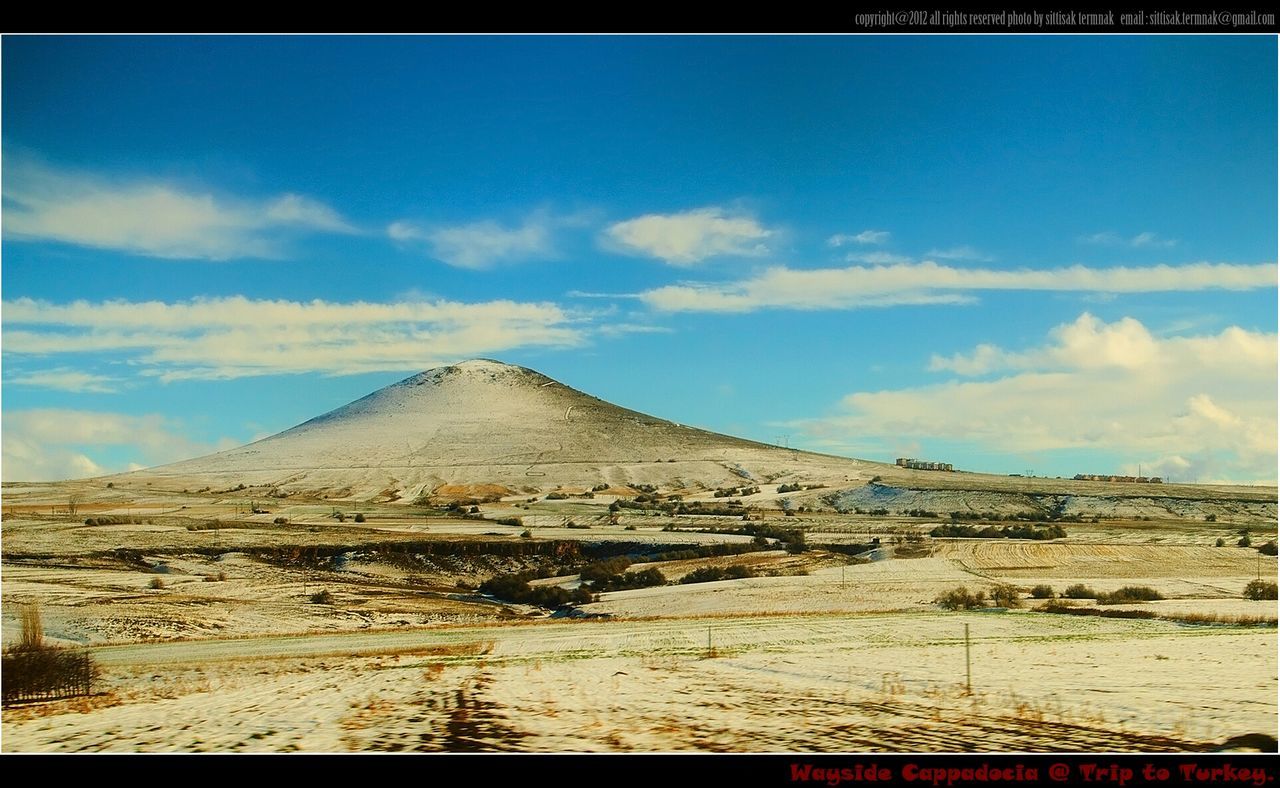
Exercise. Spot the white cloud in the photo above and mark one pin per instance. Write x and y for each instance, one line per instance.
(483, 244)
(1107, 387)
(685, 239)
(864, 237)
(54, 444)
(65, 379)
(958, 253)
(237, 337)
(931, 283)
(153, 218)
(1143, 240)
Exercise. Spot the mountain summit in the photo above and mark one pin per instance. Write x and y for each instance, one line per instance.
(486, 422)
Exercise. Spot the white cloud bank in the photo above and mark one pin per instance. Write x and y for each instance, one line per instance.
(154, 218)
(236, 337)
(1199, 408)
(688, 238)
(53, 444)
(931, 283)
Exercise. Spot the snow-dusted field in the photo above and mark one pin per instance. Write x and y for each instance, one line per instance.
(791, 682)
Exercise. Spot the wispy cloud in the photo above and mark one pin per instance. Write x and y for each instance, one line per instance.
(1203, 406)
(238, 337)
(864, 237)
(154, 218)
(52, 444)
(958, 253)
(1143, 240)
(65, 379)
(688, 238)
(483, 244)
(931, 283)
(878, 258)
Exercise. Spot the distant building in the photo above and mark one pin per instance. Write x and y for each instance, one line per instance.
(923, 465)
(1097, 477)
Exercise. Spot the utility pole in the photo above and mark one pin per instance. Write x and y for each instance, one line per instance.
(968, 670)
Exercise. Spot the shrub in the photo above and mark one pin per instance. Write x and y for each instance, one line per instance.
(1268, 549)
(1220, 543)
(710, 574)
(1211, 518)
(961, 599)
(1260, 589)
(1245, 541)
(602, 569)
(600, 488)
(629, 528)
(526, 534)
(282, 521)
(323, 597)
(359, 517)
(1006, 596)
(156, 583)
(786, 488)
(1042, 592)
(1079, 591)
(557, 496)
(622, 582)
(1129, 594)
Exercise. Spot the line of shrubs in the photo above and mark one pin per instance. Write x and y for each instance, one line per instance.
(710, 574)
(116, 519)
(1035, 517)
(1006, 532)
(961, 598)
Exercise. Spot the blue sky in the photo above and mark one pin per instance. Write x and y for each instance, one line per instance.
(1011, 253)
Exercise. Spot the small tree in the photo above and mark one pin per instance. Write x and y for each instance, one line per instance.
(73, 503)
(1006, 596)
(1260, 589)
(1042, 592)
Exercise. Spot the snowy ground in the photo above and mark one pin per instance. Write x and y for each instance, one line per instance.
(792, 682)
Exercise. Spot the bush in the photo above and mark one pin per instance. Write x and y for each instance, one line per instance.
(1268, 549)
(1220, 543)
(1006, 596)
(1245, 541)
(359, 517)
(156, 583)
(1042, 592)
(322, 598)
(527, 534)
(282, 521)
(1130, 594)
(1260, 589)
(1079, 591)
(961, 599)
(1211, 518)
(622, 582)
(602, 569)
(557, 496)
(710, 574)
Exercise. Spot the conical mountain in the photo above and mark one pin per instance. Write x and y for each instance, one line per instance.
(484, 422)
